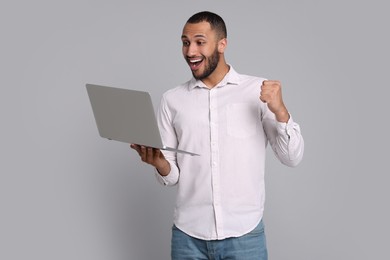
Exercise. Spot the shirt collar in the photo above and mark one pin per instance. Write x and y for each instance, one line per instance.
(232, 77)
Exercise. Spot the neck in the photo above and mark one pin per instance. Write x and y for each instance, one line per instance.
(218, 74)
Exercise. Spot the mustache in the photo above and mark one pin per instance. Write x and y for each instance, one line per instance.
(194, 57)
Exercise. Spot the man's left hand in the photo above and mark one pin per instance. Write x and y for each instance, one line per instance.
(271, 93)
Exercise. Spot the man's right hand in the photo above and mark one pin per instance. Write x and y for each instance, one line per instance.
(154, 157)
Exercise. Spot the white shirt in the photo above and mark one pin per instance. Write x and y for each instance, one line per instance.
(221, 192)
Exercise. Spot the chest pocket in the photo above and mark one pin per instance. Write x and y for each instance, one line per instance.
(242, 120)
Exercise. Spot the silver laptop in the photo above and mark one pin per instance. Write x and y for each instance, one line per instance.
(127, 116)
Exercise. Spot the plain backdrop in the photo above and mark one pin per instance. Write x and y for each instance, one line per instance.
(66, 193)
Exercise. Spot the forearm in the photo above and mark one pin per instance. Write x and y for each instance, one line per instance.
(171, 178)
(282, 116)
(164, 169)
(289, 150)
(285, 139)
(288, 145)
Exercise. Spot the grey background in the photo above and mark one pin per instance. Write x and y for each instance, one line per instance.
(65, 193)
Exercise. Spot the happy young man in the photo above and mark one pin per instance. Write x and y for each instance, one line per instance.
(228, 118)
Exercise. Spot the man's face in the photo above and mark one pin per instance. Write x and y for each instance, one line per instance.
(200, 49)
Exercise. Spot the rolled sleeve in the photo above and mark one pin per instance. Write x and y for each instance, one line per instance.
(171, 179)
(288, 143)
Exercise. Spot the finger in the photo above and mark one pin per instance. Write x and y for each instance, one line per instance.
(266, 86)
(265, 94)
(263, 91)
(271, 82)
(136, 147)
(266, 83)
(263, 98)
(143, 153)
(149, 154)
(158, 154)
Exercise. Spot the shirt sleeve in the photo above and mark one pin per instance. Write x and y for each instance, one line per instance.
(169, 138)
(285, 139)
(171, 179)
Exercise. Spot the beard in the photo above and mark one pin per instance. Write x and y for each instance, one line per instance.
(211, 65)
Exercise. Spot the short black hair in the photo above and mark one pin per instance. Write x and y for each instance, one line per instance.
(216, 22)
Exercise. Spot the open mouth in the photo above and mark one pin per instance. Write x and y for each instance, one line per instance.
(194, 63)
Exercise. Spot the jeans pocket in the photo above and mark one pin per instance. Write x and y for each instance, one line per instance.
(259, 229)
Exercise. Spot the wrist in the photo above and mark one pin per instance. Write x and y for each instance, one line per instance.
(164, 169)
(282, 116)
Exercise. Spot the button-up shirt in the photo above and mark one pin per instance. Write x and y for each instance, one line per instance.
(221, 192)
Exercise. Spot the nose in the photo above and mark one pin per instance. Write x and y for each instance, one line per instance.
(191, 50)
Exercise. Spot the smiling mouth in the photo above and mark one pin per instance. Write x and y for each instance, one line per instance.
(194, 63)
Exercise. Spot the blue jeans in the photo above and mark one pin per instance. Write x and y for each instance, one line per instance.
(251, 246)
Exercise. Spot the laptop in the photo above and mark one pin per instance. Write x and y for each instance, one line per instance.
(127, 116)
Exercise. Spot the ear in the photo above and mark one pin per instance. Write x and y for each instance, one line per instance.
(222, 44)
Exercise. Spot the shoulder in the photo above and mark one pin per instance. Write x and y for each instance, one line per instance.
(245, 79)
(249, 79)
(250, 85)
(177, 93)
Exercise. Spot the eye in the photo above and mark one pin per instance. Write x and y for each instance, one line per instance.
(201, 43)
(186, 43)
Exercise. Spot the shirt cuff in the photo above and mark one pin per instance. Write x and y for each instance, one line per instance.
(285, 128)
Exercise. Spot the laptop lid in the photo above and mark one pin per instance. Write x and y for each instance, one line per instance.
(127, 116)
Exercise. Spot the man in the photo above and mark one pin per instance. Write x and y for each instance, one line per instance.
(227, 118)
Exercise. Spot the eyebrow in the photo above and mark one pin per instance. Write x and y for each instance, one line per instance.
(195, 36)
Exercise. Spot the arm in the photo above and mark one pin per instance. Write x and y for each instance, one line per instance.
(167, 172)
(168, 135)
(282, 132)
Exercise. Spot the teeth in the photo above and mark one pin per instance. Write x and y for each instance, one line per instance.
(193, 61)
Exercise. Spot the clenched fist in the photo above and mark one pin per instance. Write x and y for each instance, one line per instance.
(271, 93)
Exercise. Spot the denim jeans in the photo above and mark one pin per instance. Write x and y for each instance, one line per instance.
(251, 246)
